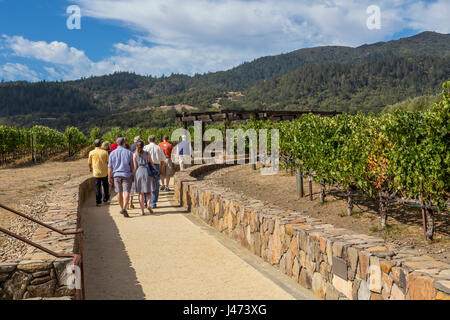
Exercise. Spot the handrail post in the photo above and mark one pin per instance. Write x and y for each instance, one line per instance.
(77, 258)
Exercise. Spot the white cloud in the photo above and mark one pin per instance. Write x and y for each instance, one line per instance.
(66, 62)
(54, 52)
(432, 16)
(196, 36)
(17, 71)
(233, 31)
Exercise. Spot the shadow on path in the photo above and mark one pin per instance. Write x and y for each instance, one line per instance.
(108, 270)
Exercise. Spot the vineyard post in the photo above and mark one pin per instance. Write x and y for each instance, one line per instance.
(34, 147)
(299, 180)
(382, 209)
(423, 218)
(349, 200)
(430, 221)
(422, 205)
(69, 140)
(310, 187)
(322, 191)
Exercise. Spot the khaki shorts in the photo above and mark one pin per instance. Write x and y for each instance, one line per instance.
(122, 184)
(167, 170)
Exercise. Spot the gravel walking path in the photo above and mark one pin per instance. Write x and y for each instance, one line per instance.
(168, 255)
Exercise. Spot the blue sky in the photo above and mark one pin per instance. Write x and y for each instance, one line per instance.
(155, 37)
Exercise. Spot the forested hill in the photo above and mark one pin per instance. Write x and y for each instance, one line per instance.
(330, 78)
(45, 97)
(367, 86)
(249, 73)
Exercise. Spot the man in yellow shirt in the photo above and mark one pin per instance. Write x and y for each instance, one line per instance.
(98, 165)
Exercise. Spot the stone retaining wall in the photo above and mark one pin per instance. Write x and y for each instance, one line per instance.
(41, 275)
(334, 263)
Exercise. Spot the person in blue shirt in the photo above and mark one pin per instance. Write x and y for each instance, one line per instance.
(121, 172)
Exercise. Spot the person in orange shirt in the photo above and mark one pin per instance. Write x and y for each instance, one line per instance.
(167, 168)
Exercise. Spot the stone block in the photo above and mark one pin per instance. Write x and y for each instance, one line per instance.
(4, 276)
(352, 258)
(250, 239)
(271, 225)
(396, 293)
(283, 264)
(364, 262)
(295, 270)
(318, 285)
(376, 296)
(317, 252)
(387, 284)
(302, 240)
(330, 292)
(34, 266)
(40, 280)
(42, 290)
(257, 249)
(355, 288)
(386, 265)
(323, 269)
(289, 262)
(41, 274)
(445, 274)
(285, 243)
(290, 229)
(275, 244)
(364, 292)
(443, 285)
(343, 286)
(294, 246)
(340, 267)
(305, 279)
(377, 249)
(337, 249)
(7, 268)
(310, 265)
(330, 252)
(254, 222)
(15, 287)
(442, 296)
(323, 244)
(64, 292)
(424, 262)
(420, 287)
(398, 275)
(375, 283)
(302, 258)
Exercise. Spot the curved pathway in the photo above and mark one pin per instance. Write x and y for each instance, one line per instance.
(171, 255)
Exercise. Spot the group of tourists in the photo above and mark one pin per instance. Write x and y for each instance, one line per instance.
(135, 169)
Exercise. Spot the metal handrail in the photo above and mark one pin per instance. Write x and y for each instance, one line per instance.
(77, 258)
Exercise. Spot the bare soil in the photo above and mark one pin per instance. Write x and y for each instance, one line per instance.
(404, 225)
(26, 188)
